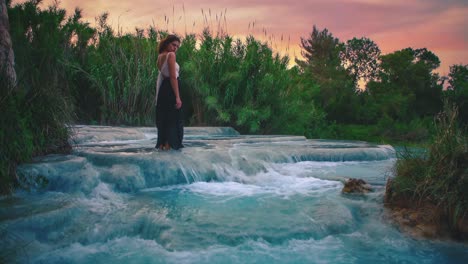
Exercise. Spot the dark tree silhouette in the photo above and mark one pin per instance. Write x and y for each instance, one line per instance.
(7, 65)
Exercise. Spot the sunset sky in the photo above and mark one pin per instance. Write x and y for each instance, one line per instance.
(438, 25)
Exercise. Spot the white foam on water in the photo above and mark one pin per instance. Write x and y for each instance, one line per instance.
(230, 189)
(375, 171)
(103, 199)
(112, 142)
(137, 250)
(126, 250)
(127, 178)
(281, 179)
(306, 168)
(275, 181)
(150, 135)
(352, 248)
(69, 174)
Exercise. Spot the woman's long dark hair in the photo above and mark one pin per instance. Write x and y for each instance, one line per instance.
(166, 41)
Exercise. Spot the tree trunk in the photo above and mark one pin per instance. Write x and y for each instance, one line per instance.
(7, 62)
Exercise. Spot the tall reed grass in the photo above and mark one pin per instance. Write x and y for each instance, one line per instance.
(224, 81)
(245, 85)
(123, 69)
(440, 175)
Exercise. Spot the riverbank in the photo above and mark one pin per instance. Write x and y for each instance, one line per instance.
(427, 196)
(424, 220)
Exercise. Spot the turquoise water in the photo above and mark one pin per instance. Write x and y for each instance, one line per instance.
(225, 198)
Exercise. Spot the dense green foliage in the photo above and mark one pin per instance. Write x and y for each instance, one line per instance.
(70, 72)
(336, 91)
(457, 91)
(35, 112)
(122, 73)
(439, 176)
(244, 85)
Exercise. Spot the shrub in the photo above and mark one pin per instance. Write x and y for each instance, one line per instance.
(439, 175)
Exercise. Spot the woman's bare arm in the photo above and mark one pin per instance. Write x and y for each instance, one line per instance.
(171, 60)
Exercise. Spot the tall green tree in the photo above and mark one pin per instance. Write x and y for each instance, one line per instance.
(407, 87)
(361, 59)
(322, 63)
(457, 90)
(321, 52)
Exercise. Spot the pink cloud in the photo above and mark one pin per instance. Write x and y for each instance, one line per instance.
(439, 25)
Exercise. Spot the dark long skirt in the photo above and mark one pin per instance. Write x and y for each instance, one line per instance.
(169, 120)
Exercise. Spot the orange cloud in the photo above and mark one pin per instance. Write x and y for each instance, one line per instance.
(439, 25)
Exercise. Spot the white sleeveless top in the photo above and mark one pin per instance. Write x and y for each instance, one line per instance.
(164, 73)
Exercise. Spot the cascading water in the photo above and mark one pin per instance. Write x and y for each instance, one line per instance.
(224, 198)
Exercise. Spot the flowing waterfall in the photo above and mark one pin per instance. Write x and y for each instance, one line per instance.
(126, 158)
(224, 198)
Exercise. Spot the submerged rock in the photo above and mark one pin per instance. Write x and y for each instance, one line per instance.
(356, 186)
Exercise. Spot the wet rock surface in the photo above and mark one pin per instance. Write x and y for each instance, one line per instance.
(357, 186)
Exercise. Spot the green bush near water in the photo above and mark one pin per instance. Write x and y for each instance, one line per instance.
(35, 113)
(244, 85)
(439, 175)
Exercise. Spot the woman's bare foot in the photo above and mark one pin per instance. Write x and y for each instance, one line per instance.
(167, 146)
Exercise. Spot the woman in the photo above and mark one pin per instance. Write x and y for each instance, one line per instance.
(168, 103)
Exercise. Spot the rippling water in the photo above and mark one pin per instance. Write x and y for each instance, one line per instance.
(225, 198)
